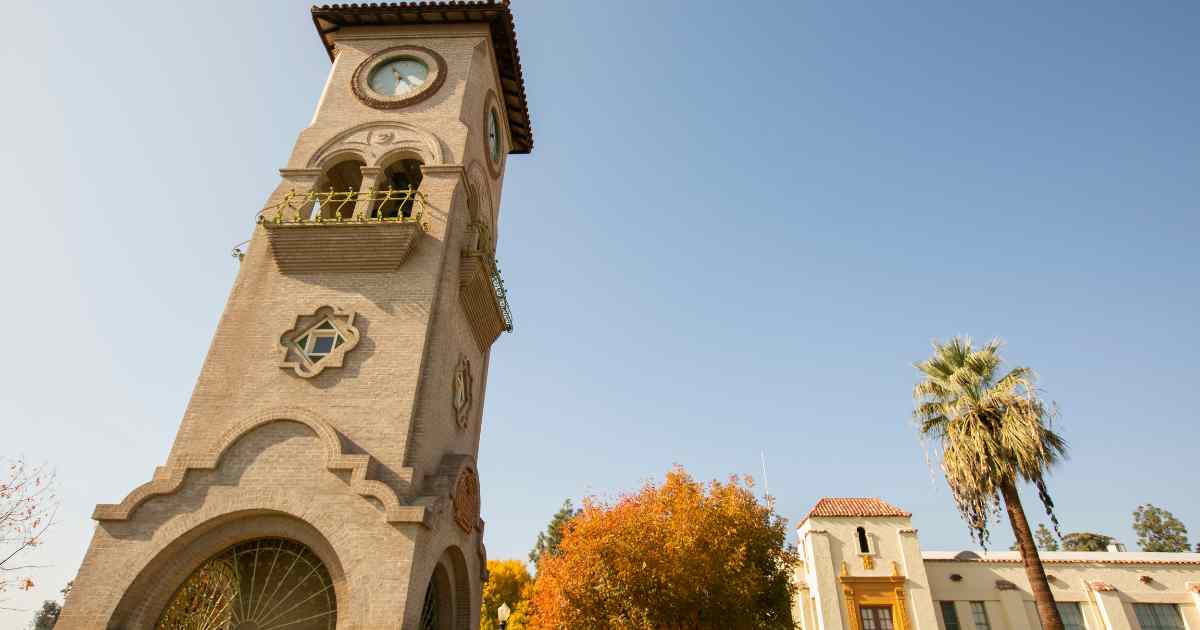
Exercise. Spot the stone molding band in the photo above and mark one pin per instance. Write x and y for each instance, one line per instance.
(167, 480)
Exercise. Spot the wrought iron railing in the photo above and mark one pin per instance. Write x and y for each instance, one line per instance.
(502, 298)
(335, 207)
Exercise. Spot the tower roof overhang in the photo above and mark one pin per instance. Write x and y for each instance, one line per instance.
(331, 18)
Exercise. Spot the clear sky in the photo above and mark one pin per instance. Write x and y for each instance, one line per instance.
(741, 224)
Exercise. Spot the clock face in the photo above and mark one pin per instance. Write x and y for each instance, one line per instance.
(398, 77)
(493, 135)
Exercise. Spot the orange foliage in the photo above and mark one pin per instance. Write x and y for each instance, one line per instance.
(681, 555)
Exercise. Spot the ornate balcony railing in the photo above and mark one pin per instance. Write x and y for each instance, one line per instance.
(502, 297)
(388, 205)
(346, 231)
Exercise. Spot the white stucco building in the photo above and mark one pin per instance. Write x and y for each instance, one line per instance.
(862, 568)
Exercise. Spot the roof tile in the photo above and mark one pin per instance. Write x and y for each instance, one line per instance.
(853, 507)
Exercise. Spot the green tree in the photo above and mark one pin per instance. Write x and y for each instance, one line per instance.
(549, 540)
(993, 432)
(47, 616)
(1044, 537)
(1158, 529)
(1086, 541)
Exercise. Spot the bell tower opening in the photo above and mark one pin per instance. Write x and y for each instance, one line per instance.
(401, 181)
(338, 188)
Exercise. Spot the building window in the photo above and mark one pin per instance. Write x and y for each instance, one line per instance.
(864, 544)
(1158, 616)
(1072, 616)
(876, 617)
(320, 341)
(979, 612)
(950, 616)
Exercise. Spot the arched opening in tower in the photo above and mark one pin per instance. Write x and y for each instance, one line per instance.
(401, 180)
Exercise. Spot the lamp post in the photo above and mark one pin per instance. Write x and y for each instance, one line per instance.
(502, 614)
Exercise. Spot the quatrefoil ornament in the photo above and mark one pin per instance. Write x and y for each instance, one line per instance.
(318, 341)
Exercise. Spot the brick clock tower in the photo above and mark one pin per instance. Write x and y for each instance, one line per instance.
(323, 476)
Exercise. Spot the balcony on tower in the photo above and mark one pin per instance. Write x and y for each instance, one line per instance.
(350, 230)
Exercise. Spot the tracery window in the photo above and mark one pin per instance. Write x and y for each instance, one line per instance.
(264, 584)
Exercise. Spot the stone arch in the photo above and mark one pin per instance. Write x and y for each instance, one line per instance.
(376, 139)
(168, 480)
(343, 154)
(446, 599)
(157, 582)
(461, 585)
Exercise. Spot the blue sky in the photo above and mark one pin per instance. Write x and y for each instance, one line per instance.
(740, 226)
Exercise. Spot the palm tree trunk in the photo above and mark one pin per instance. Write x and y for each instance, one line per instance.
(1038, 583)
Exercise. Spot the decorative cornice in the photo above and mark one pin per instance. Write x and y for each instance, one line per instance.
(167, 480)
(1062, 561)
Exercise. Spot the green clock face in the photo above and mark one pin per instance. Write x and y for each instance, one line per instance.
(493, 136)
(398, 77)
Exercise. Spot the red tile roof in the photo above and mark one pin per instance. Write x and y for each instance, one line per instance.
(853, 507)
(330, 18)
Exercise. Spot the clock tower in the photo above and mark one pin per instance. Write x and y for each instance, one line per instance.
(323, 475)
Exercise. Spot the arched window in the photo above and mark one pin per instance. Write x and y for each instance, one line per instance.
(437, 611)
(864, 545)
(403, 177)
(338, 189)
(265, 583)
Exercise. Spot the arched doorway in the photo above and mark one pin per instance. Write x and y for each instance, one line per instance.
(259, 584)
(447, 603)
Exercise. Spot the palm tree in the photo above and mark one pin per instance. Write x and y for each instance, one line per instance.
(993, 432)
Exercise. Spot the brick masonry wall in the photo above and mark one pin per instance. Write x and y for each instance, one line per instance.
(391, 400)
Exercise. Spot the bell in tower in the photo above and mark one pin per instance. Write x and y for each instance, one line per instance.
(323, 475)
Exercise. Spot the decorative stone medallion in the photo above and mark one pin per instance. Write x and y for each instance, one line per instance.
(466, 499)
(318, 341)
(462, 392)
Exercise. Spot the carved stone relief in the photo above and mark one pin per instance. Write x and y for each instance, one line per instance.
(462, 394)
(466, 500)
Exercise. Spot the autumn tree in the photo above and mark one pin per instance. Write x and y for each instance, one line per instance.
(680, 555)
(27, 506)
(1086, 541)
(509, 583)
(994, 432)
(1158, 529)
(549, 540)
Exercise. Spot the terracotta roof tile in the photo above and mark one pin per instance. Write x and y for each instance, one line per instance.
(853, 507)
